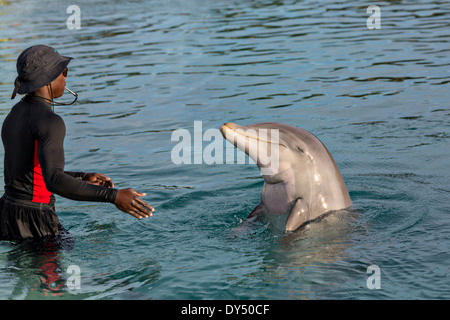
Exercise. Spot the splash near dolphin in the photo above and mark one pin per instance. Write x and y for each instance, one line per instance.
(301, 178)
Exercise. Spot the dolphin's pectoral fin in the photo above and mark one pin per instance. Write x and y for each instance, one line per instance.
(298, 216)
(258, 209)
(244, 227)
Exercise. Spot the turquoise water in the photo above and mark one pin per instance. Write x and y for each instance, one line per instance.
(378, 99)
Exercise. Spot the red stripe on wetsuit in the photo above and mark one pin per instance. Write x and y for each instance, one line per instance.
(40, 192)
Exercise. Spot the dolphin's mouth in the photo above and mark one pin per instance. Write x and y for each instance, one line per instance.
(261, 144)
(245, 132)
(240, 130)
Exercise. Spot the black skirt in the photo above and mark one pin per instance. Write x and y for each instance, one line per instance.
(22, 219)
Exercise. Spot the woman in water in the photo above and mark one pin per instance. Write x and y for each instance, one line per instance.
(33, 137)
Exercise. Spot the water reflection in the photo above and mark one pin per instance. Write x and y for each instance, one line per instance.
(292, 264)
(323, 240)
(37, 267)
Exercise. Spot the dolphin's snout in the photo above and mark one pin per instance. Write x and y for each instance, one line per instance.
(224, 127)
(232, 126)
(228, 126)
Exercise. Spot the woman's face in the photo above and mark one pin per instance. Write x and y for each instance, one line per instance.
(58, 85)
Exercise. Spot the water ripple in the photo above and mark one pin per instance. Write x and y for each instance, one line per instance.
(378, 99)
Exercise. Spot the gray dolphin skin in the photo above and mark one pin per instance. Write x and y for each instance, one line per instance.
(304, 181)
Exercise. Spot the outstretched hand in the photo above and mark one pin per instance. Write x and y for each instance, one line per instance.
(129, 201)
(98, 179)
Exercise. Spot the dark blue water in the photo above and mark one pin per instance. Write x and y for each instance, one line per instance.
(378, 99)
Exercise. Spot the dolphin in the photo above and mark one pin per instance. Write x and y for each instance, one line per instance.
(301, 181)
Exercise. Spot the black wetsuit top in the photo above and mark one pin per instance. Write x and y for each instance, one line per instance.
(33, 137)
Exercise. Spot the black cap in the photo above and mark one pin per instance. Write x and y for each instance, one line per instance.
(37, 66)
